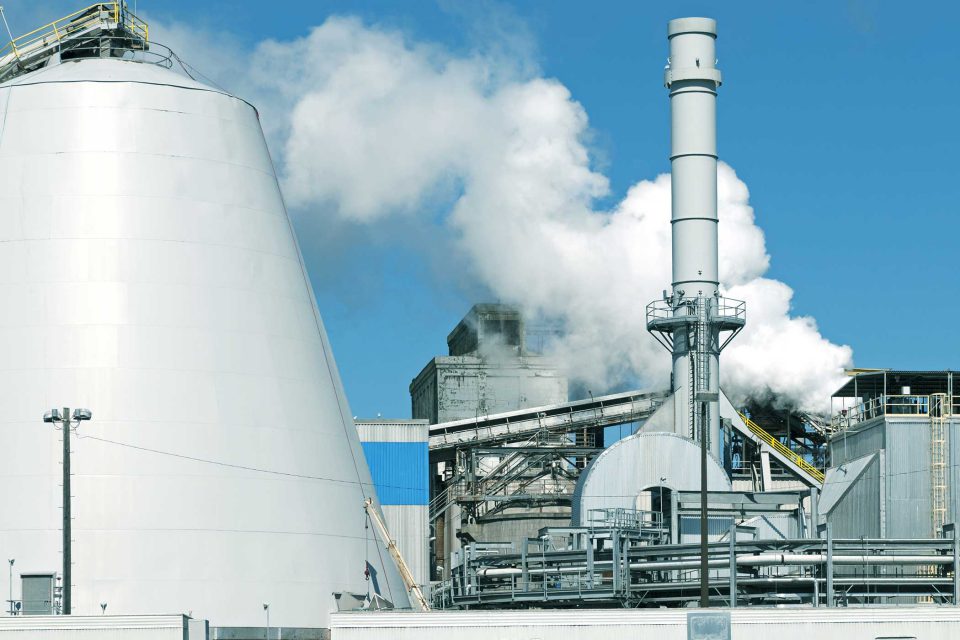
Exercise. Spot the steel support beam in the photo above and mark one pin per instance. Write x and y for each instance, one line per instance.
(829, 566)
(733, 564)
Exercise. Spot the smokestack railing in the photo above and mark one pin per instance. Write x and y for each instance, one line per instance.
(667, 315)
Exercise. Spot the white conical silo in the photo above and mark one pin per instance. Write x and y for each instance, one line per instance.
(149, 272)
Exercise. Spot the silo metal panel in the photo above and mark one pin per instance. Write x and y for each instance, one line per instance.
(149, 271)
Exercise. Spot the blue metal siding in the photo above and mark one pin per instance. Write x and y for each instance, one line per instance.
(400, 471)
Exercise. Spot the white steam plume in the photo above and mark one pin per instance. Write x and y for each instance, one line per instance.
(370, 125)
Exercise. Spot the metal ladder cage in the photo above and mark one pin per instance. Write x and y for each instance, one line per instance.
(939, 412)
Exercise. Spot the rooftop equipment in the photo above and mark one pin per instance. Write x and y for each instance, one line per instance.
(104, 29)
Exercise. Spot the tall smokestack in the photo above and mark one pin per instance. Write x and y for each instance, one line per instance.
(690, 320)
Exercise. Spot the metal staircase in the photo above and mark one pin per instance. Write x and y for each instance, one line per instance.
(104, 29)
(789, 458)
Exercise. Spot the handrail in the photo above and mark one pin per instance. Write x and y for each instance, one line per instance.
(788, 453)
(893, 405)
(57, 30)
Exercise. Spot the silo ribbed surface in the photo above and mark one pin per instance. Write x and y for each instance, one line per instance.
(149, 272)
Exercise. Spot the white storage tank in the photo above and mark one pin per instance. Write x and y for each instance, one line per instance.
(149, 272)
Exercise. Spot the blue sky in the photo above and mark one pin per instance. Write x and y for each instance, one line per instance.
(841, 117)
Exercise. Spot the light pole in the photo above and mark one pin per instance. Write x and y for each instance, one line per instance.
(266, 608)
(55, 416)
(704, 504)
(11, 561)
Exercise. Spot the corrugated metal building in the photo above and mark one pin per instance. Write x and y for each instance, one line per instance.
(396, 452)
(894, 456)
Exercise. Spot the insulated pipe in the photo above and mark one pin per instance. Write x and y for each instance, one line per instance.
(692, 80)
(752, 560)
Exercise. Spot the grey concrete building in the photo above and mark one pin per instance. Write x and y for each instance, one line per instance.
(488, 370)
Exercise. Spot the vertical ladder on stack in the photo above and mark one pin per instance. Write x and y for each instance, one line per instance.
(700, 368)
(939, 410)
(692, 335)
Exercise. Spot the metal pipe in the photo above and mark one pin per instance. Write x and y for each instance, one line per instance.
(814, 511)
(66, 599)
(704, 511)
(733, 564)
(11, 561)
(829, 564)
(753, 560)
(855, 580)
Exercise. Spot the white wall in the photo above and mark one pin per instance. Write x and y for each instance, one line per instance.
(174, 627)
(920, 623)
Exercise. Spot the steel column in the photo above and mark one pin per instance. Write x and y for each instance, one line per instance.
(951, 528)
(814, 511)
(829, 565)
(733, 564)
(704, 510)
(67, 532)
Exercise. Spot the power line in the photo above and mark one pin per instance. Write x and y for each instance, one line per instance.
(242, 467)
(289, 474)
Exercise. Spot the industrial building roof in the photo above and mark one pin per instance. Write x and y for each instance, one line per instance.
(875, 382)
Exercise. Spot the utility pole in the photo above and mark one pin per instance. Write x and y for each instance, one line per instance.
(67, 529)
(704, 399)
(11, 561)
(704, 528)
(54, 416)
